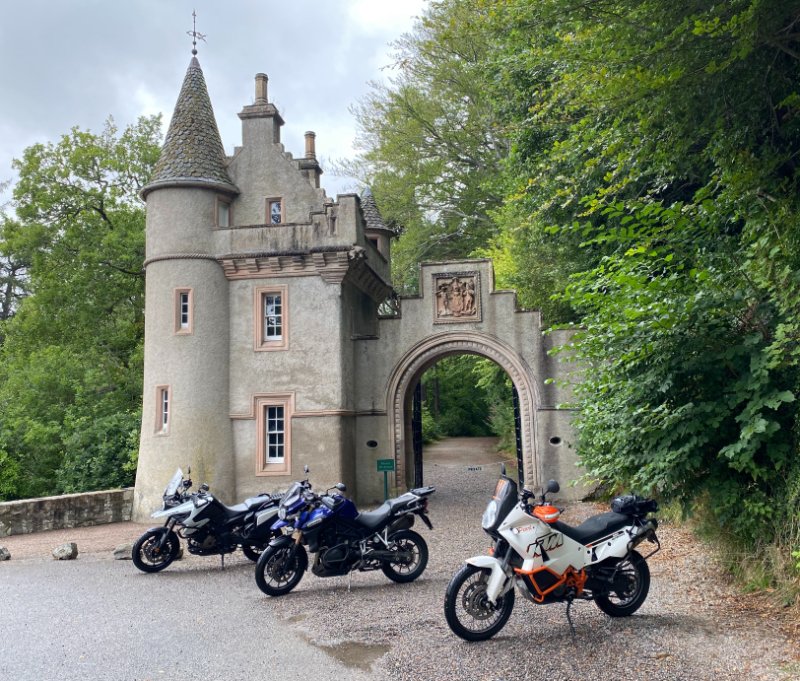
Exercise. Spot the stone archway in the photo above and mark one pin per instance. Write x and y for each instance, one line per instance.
(413, 364)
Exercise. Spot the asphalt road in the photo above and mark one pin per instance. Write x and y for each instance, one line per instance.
(95, 618)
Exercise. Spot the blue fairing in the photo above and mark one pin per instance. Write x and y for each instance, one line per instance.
(307, 518)
(347, 509)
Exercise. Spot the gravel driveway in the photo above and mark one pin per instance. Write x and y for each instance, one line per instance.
(683, 631)
(686, 629)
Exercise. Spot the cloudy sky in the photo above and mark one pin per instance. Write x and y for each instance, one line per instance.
(66, 63)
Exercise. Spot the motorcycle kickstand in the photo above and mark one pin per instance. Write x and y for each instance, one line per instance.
(222, 560)
(569, 618)
(349, 581)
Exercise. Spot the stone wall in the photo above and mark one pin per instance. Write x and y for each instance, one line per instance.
(68, 510)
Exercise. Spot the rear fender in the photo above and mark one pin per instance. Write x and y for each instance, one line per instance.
(499, 581)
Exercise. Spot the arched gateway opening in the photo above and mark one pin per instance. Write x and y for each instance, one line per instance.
(406, 438)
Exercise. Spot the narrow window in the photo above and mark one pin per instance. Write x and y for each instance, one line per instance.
(183, 302)
(223, 212)
(271, 318)
(275, 432)
(162, 409)
(275, 211)
(183, 310)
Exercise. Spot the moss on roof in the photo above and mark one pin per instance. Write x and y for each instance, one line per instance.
(193, 153)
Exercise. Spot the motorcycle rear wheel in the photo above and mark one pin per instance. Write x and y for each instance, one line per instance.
(467, 609)
(278, 571)
(406, 569)
(632, 582)
(146, 554)
(252, 552)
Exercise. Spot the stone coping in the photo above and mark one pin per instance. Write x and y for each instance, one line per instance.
(65, 511)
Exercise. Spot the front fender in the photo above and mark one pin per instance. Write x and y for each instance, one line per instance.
(283, 540)
(499, 582)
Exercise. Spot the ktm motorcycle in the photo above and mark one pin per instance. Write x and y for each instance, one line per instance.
(548, 561)
(208, 526)
(342, 539)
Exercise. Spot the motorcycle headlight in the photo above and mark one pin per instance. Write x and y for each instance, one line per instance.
(489, 515)
(282, 513)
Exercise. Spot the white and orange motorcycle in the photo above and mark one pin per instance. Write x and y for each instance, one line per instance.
(549, 561)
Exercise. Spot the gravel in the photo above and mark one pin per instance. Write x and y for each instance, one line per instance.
(692, 626)
(683, 631)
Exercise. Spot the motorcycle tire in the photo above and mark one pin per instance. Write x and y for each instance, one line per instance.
(633, 578)
(406, 570)
(467, 610)
(277, 571)
(252, 552)
(148, 557)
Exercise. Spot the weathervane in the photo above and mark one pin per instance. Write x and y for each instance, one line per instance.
(195, 35)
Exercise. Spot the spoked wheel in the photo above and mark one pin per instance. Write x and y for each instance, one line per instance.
(631, 584)
(412, 557)
(148, 556)
(280, 568)
(252, 552)
(467, 609)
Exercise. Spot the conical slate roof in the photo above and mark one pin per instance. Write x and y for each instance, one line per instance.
(193, 154)
(372, 216)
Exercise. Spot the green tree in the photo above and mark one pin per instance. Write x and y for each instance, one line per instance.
(655, 157)
(71, 361)
(431, 146)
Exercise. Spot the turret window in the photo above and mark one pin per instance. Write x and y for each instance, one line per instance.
(162, 409)
(274, 211)
(271, 318)
(183, 311)
(223, 212)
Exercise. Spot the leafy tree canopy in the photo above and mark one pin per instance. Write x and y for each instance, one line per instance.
(71, 358)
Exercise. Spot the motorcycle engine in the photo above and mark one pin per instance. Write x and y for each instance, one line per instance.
(334, 560)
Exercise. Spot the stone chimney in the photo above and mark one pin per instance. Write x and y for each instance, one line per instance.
(310, 151)
(261, 89)
(261, 122)
(308, 165)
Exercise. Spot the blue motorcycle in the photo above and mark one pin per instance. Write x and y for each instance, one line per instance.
(342, 539)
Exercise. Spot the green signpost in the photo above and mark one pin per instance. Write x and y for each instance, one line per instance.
(385, 466)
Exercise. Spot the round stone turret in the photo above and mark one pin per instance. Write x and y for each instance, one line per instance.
(187, 308)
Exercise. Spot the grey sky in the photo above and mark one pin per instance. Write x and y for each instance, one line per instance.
(66, 63)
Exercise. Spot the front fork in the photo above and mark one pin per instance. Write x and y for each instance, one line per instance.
(168, 527)
(501, 578)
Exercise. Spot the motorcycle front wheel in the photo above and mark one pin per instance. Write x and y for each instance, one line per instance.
(148, 556)
(631, 584)
(280, 568)
(468, 611)
(412, 557)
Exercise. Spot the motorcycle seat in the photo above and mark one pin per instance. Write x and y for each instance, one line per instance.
(594, 528)
(246, 505)
(373, 519)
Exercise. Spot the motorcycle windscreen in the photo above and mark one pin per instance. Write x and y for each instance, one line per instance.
(174, 483)
(292, 496)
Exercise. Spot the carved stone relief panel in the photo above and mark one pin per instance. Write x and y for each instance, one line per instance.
(457, 297)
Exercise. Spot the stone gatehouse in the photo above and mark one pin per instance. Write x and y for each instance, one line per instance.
(273, 339)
